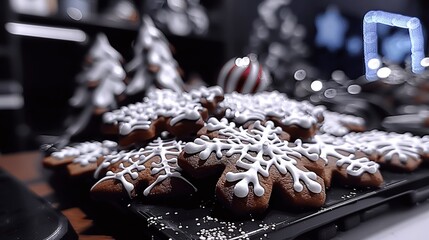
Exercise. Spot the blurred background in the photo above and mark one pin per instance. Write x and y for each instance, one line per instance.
(43, 45)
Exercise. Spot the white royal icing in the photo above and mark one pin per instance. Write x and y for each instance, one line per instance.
(262, 140)
(387, 144)
(242, 108)
(208, 93)
(336, 123)
(357, 166)
(343, 152)
(159, 103)
(86, 152)
(331, 146)
(132, 162)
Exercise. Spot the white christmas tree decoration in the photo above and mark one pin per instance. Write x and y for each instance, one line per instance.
(153, 62)
(102, 78)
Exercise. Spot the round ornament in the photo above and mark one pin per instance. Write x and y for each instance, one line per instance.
(243, 75)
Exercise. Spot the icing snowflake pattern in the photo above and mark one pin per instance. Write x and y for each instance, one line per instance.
(344, 159)
(331, 146)
(260, 106)
(86, 152)
(358, 166)
(387, 144)
(270, 151)
(132, 162)
(159, 103)
(336, 123)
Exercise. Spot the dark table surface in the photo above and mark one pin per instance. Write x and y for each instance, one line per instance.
(89, 219)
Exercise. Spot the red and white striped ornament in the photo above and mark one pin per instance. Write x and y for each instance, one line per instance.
(243, 75)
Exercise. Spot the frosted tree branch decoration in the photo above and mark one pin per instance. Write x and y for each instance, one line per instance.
(370, 39)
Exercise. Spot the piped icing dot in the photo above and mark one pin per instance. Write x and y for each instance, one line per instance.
(298, 186)
(125, 129)
(188, 114)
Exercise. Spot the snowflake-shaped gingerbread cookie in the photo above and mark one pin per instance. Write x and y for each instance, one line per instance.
(397, 151)
(345, 164)
(297, 118)
(148, 173)
(339, 124)
(181, 114)
(80, 158)
(252, 162)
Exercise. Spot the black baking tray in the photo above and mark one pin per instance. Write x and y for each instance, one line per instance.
(344, 209)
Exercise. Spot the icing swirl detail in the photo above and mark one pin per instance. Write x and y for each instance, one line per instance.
(357, 167)
(336, 123)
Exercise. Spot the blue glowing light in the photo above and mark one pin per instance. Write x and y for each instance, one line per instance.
(354, 45)
(370, 38)
(331, 29)
(396, 47)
